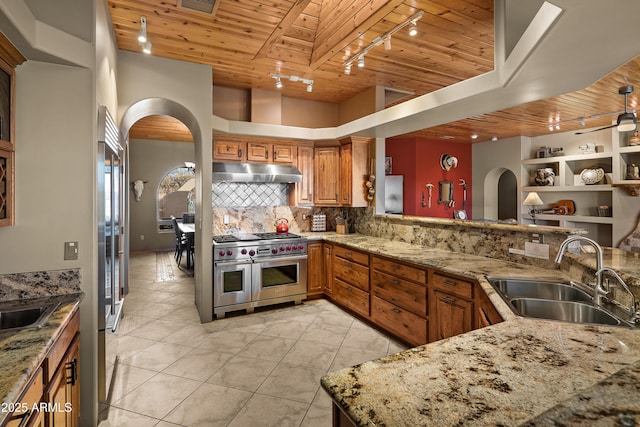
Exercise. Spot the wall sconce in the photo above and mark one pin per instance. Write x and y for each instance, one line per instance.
(533, 200)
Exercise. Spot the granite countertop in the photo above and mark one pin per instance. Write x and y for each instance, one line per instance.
(23, 351)
(519, 371)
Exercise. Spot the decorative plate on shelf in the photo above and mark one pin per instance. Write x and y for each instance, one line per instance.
(592, 176)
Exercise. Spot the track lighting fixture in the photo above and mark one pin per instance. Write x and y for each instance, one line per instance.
(413, 29)
(280, 77)
(142, 34)
(384, 39)
(387, 42)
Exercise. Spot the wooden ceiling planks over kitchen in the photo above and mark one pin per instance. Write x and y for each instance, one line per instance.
(246, 40)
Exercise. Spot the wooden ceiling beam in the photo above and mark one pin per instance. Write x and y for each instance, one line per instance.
(284, 25)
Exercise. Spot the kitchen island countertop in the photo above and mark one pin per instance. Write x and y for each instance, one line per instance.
(519, 371)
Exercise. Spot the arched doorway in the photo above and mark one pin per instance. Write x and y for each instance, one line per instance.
(500, 195)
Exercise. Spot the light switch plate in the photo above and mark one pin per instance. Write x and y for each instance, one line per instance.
(70, 251)
(536, 250)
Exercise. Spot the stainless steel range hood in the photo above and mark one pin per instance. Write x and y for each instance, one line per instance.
(249, 172)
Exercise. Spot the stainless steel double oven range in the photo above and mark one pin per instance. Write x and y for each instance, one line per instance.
(257, 269)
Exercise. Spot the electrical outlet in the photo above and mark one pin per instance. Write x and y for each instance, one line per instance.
(225, 219)
(142, 237)
(70, 250)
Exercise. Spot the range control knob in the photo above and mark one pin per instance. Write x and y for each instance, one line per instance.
(252, 252)
(274, 250)
(221, 253)
(300, 247)
(243, 252)
(229, 252)
(288, 248)
(281, 248)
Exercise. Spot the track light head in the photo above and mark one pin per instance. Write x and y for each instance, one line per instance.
(278, 83)
(347, 69)
(310, 87)
(361, 61)
(142, 34)
(413, 29)
(146, 47)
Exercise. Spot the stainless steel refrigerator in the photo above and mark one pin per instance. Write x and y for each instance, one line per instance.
(393, 194)
(111, 243)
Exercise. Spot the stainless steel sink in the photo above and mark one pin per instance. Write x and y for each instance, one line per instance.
(557, 300)
(565, 311)
(531, 288)
(25, 317)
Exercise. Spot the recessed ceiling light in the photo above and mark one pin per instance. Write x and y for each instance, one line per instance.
(447, 137)
(474, 136)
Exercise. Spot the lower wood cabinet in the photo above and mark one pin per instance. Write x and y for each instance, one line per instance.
(64, 389)
(351, 297)
(315, 270)
(327, 250)
(486, 313)
(23, 413)
(400, 322)
(449, 315)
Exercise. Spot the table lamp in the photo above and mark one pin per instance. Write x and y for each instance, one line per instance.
(533, 200)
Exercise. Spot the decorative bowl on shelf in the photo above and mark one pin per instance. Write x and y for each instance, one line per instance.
(592, 176)
(635, 139)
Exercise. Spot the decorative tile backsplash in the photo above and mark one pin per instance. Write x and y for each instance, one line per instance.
(249, 194)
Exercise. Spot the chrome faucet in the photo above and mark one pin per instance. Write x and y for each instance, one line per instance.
(598, 290)
(612, 272)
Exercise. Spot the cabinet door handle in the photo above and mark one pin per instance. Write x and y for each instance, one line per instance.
(73, 367)
(25, 418)
(394, 282)
(240, 152)
(395, 310)
(449, 282)
(266, 153)
(449, 300)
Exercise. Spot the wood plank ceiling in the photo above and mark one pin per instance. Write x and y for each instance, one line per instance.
(245, 40)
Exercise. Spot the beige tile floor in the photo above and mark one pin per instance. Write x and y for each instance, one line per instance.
(262, 369)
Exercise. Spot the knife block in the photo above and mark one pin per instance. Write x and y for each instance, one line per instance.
(342, 229)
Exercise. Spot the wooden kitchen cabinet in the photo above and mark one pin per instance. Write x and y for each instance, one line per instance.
(235, 151)
(10, 58)
(327, 250)
(24, 415)
(63, 389)
(326, 167)
(486, 314)
(304, 188)
(265, 152)
(315, 270)
(350, 287)
(399, 299)
(354, 171)
(450, 306)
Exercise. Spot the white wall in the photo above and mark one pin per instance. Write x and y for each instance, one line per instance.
(490, 159)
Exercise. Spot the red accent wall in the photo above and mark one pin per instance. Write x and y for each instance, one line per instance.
(419, 161)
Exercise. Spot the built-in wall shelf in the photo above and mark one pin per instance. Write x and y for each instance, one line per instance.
(614, 155)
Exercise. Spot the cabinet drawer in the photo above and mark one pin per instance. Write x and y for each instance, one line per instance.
(351, 255)
(400, 270)
(403, 293)
(352, 273)
(400, 322)
(452, 285)
(351, 297)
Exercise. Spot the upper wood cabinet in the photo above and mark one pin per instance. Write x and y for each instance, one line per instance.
(235, 151)
(304, 189)
(264, 152)
(326, 167)
(354, 171)
(10, 58)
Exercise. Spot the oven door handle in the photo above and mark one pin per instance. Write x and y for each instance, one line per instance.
(231, 263)
(283, 259)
